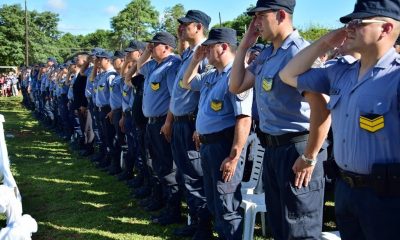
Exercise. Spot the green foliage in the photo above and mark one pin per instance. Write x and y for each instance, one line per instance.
(137, 20)
(169, 21)
(313, 32)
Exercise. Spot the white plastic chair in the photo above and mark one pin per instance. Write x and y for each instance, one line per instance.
(253, 197)
(253, 204)
(330, 235)
(256, 155)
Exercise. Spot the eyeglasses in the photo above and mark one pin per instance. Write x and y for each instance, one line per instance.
(356, 23)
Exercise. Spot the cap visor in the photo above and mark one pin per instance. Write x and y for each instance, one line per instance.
(253, 11)
(209, 42)
(130, 49)
(185, 20)
(356, 15)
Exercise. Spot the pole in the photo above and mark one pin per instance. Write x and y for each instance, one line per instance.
(220, 22)
(26, 37)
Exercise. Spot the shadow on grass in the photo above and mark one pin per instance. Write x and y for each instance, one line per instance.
(67, 196)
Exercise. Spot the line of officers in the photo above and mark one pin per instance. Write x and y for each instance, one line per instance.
(186, 118)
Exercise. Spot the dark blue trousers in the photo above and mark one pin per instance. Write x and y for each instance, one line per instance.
(361, 214)
(293, 213)
(130, 141)
(223, 198)
(107, 128)
(188, 162)
(163, 165)
(119, 137)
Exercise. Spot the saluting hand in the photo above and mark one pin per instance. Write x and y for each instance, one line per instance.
(335, 38)
(200, 53)
(251, 35)
(302, 172)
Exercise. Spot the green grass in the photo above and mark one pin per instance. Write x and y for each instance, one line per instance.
(68, 197)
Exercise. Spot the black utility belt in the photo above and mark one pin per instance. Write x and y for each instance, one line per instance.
(117, 110)
(224, 135)
(153, 120)
(384, 179)
(268, 140)
(105, 108)
(191, 117)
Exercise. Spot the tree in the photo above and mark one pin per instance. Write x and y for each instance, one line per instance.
(169, 21)
(137, 20)
(240, 23)
(42, 35)
(11, 35)
(313, 32)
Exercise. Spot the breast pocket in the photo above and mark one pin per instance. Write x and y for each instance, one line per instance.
(372, 113)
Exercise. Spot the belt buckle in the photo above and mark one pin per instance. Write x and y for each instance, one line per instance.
(348, 180)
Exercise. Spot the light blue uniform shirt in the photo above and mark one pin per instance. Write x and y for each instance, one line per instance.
(184, 101)
(43, 83)
(103, 87)
(159, 80)
(365, 112)
(95, 83)
(64, 87)
(116, 92)
(281, 108)
(218, 107)
(127, 97)
(89, 84)
(70, 94)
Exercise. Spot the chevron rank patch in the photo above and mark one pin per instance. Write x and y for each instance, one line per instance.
(267, 84)
(372, 122)
(124, 93)
(111, 88)
(181, 83)
(216, 105)
(155, 86)
(101, 88)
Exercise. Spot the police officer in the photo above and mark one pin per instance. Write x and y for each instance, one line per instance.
(104, 61)
(159, 74)
(223, 122)
(364, 102)
(292, 176)
(192, 28)
(116, 112)
(133, 52)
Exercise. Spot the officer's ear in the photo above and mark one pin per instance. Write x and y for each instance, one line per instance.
(387, 29)
(281, 15)
(199, 27)
(224, 46)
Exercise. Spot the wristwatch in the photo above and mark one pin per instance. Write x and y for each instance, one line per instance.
(309, 161)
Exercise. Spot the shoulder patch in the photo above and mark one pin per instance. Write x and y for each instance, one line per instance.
(242, 96)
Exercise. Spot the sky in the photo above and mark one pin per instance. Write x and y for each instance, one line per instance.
(85, 16)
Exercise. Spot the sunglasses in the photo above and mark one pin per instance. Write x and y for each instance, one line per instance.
(356, 23)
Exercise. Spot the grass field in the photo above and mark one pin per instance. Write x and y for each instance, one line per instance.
(67, 195)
